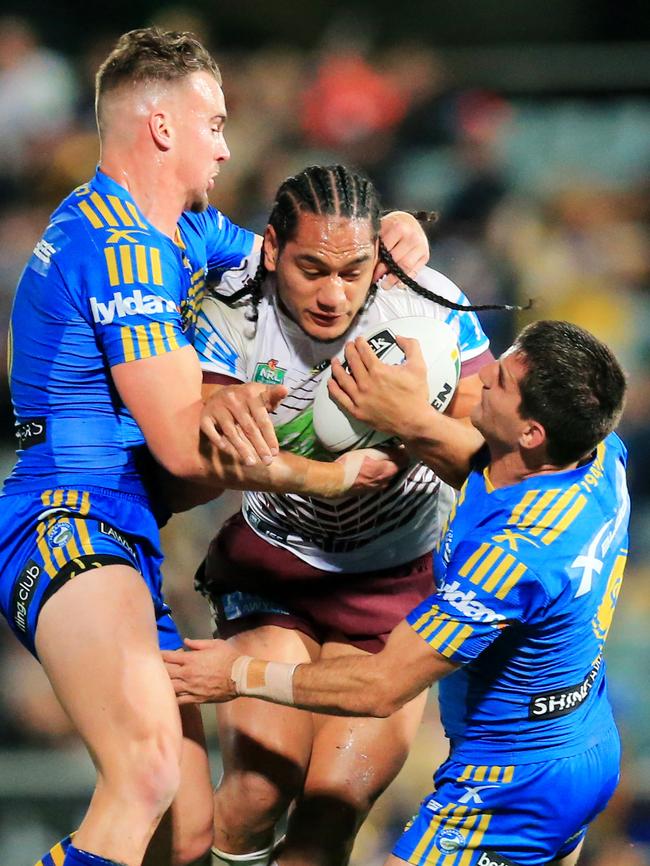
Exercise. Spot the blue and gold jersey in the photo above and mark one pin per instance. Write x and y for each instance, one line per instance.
(103, 287)
(527, 582)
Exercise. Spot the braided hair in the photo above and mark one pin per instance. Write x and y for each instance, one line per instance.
(334, 190)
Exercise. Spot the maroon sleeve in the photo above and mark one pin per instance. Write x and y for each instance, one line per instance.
(467, 368)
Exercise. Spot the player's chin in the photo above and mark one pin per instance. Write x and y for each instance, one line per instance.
(477, 418)
(199, 202)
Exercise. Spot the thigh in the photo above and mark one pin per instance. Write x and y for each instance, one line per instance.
(97, 640)
(256, 736)
(359, 757)
(352, 761)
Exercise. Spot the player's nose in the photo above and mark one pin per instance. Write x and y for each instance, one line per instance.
(332, 293)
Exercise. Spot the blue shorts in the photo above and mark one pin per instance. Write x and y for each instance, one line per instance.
(517, 815)
(53, 536)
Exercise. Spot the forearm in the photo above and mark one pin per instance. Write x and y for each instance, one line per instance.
(358, 685)
(445, 444)
(287, 473)
(342, 686)
(349, 687)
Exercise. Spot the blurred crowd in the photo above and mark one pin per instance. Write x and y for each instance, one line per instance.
(537, 197)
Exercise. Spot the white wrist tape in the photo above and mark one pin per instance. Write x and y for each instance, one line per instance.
(255, 678)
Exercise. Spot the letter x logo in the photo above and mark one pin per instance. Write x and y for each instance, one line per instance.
(472, 794)
(512, 538)
(118, 235)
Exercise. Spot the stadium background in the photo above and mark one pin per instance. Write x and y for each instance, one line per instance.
(526, 125)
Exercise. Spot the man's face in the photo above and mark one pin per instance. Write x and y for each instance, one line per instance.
(324, 273)
(496, 416)
(199, 119)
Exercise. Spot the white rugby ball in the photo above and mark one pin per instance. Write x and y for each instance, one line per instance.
(339, 431)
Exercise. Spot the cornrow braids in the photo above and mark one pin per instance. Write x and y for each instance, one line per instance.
(330, 190)
(427, 217)
(395, 269)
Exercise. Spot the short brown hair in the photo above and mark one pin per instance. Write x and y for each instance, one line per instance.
(573, 385)
(152, 54)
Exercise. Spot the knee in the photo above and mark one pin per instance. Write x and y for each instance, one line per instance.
(194, 851)
(256, 796)
(326, 823)
(193, 842)
(150, 772)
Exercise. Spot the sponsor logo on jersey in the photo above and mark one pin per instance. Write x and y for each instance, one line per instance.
(433, 805)
(466, 603)
(31, 432)
(551, 705)
(490, 858)
(473, 794)
(44, 251)
(450, 840)
(106, 529)
(120, 235)
(24, 592)
(512, 539)
(269, 373)
(60, 534)
(136, 304)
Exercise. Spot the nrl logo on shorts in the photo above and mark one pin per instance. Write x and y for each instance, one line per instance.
(269, 373)
(60, 534)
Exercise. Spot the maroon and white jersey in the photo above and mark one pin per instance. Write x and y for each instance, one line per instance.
(354, 533)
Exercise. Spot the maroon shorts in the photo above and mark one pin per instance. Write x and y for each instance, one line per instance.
(250, 582)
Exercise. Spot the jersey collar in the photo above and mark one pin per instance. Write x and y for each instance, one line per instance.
(105, 185)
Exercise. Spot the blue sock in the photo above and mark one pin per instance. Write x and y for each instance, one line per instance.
(55, 856)
(75, 857)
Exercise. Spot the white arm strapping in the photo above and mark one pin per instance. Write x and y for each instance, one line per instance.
(270, 680)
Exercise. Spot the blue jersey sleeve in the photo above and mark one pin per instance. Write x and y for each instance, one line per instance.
(486, 589)
(226, 244)
(134, 301)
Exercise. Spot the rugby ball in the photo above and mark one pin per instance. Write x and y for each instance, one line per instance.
(339, 431)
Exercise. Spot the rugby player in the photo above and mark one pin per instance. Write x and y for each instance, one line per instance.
(297, 578)
(103, 375)
(528, 572)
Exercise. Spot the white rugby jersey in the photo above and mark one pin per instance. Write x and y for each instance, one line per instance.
(354, 533)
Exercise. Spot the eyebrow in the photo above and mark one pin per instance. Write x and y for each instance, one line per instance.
(317, 260)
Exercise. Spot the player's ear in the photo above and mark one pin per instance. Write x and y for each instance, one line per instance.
(533, 435)
(271, 249)
(161, 129)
